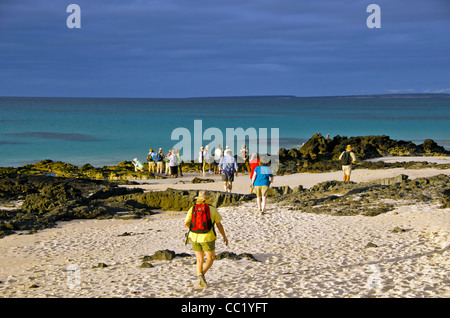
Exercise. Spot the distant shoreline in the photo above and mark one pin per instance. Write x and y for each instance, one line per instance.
(410, 95)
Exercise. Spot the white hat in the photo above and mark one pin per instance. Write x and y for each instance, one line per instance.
(203, 195)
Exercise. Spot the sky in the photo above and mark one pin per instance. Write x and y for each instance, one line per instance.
(203, 48)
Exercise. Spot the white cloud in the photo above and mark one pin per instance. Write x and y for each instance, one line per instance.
(399, 91)
(437, 91)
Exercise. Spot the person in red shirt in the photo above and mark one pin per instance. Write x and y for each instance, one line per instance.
(254, 162)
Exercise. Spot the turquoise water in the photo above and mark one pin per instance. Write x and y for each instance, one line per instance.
(107, 131)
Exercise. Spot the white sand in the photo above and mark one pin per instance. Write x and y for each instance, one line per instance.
(301, 255)
(437, 159)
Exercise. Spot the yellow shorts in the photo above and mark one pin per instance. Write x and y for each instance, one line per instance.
(261, 191)
(206, 246)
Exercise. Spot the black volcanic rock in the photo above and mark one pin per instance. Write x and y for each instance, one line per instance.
(45, 200)
(432, 148)
(182, 200)
(367, 198)
(366, 147)
(319, 154)
(317, 145)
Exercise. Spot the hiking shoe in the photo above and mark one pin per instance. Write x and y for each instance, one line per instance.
(202, 281)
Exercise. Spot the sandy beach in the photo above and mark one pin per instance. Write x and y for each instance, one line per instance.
(298, 254)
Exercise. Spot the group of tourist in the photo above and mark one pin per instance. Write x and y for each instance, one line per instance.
(208, 160)
(222, 161)
(159, 163)
(261, 177)
(203, 243)
(170, 163)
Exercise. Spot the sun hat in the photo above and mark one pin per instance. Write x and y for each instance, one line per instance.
(135, 159)
(203, 195)
(349, 147)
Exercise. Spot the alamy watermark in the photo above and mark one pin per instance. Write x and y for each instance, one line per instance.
(374, 280)
(257, 141)
(373, 21)
(73, 272)
(73, 21)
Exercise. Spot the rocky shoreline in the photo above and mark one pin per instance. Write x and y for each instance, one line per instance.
(321, 154)
(35, 197)
(318, 154)
(32, 202)
(41, 201)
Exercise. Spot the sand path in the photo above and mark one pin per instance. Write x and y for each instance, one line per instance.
(307, 180)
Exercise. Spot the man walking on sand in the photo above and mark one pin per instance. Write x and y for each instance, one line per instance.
(229, 168)
(201, 219)
(347, 158)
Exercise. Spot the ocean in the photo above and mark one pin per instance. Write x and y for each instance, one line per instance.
(106, 131)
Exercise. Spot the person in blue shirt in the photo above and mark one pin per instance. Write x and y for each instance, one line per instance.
(261, 180)
(151, 160)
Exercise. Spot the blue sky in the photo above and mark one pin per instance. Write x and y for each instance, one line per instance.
(190, 48)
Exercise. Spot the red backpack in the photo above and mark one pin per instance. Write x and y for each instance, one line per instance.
(201, 219)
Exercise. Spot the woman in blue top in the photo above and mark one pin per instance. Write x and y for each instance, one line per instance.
(261, 180)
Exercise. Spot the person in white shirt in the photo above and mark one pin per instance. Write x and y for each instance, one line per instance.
(173, 164)
(217, 156)
(207, 160)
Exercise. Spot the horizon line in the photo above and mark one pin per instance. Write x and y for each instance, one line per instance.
(286, 96)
